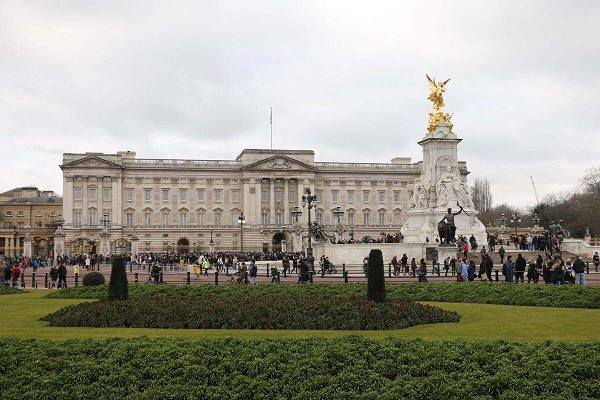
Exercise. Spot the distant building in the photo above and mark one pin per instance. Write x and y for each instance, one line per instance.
(25, 207)
(179, 205)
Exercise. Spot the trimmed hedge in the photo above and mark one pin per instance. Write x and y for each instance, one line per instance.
(9, 290)
(93, 279)
(342, 368)
(280, 312)
(566, 296)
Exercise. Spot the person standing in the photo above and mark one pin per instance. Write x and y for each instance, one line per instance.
(579, 269)
(446, 265)
(471, 271)
(520, 265)
(532, 274)
(413, 266)
(453, 265)
(489, 265)
(464, 268)
(404, 263)
(422, 271)
(62, 275)
(508, 270)
(253, 272)
(596, 260)
(53, 276)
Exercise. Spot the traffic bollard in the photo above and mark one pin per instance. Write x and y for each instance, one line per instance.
(216, 278)
(311, 276)
(188, 277)
(46, 280)
(33, 280)
(343, 267)
(23, 280)
(389, 270)
(136, 277)
(345, 276)
(161, 278)
(76, 279)
(496, 275)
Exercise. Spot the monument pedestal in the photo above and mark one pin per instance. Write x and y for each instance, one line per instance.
(104, 243)
(27, 247)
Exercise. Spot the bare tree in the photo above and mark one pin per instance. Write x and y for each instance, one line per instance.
(481, 193)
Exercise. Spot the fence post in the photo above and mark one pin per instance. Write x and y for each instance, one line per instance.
(136, 277)
(343, 268)
(130, 267)
(322, 271)
(76, 279)
(227, 270)
(161, 277)
(496, 275)
(46, 280)
(267, 275)
(345, 276)
(278, 277)
(438, 269)
(216, 278)
(188, 277)
(587, 264)
(310, 273)
(389, 270)
(33, 280)
(23, 280)
(284, 272)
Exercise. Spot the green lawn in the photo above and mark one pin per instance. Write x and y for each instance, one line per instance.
(20, 314)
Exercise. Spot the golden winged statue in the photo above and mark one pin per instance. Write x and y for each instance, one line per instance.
(436, 97)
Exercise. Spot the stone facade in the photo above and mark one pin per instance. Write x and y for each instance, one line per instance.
(170, 204)
(28, 207)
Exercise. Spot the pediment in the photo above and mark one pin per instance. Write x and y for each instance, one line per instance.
(92, 162)
(278, 162)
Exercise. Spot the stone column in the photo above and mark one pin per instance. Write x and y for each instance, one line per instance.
(135, 245)
(272, 201)
(8, 246)
(67, 208)
(286, 202)
(27, 247)
(59, 243)
(17, 247)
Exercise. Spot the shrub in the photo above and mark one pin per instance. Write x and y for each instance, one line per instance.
(93, 279)
(117, 286)
(314, 368)
(281, 312)
(9, 290)
(568, 296)
(375, 277)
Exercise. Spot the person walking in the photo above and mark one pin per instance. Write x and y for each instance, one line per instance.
(62, 275)
(508, 270)
(453, 265)
(532, 275)
(422, 271)
(579, 269)
(501, 253)
(471, 271)
(489, 265)
(15, 274)
(53, 276)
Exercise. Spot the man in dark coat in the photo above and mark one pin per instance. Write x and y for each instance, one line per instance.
(62, 275)
(520, 265)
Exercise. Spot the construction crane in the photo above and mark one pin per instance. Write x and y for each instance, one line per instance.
(537, 199)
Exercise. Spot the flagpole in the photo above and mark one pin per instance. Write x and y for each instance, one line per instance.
(271, 128)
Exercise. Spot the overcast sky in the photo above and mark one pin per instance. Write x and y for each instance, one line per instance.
(346, 79)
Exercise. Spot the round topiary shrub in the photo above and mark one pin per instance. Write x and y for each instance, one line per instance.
(93, 279)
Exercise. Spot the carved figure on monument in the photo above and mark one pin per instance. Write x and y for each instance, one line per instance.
(447, 186)
(318, 232)
(419, 193)
(447, 227)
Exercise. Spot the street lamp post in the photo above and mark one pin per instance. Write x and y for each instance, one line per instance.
(516, 220)
(536, 220)
(211, 235)
(309, 200)
(352, 233)
(241, 221)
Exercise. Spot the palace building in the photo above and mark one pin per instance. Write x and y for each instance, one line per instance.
(194, 205)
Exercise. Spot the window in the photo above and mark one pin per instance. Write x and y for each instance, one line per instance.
(278, 218)
(218, 218)
(234, 218)
(396, 197)
(278, 196)
(293, 218)
(200, 195)
(147, 218)
(77, 193)
(38, 224)
(381, 216)
(319, 195)
(235, 196)
(166, 219)
(92, 218)
(263, 196)
(396, 218)
(264, 218)
(351, 218)
(129, 194)
(129, 219)
(381, 196)
(165, 247)
(165, 195)
(292, 196)
(77, 219)
(147, 194)
(38, 213)
(183, 195)
(106, 218)
(21, 225)
(319, 216)
(20, 214)
(9, 213)
(334, 196)
(200, 221)
(183, 221)
(106, 194)
(350, 196)
(366, 195)
(218, 195)
(92, 193)
(147, 247)
(366, 218)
